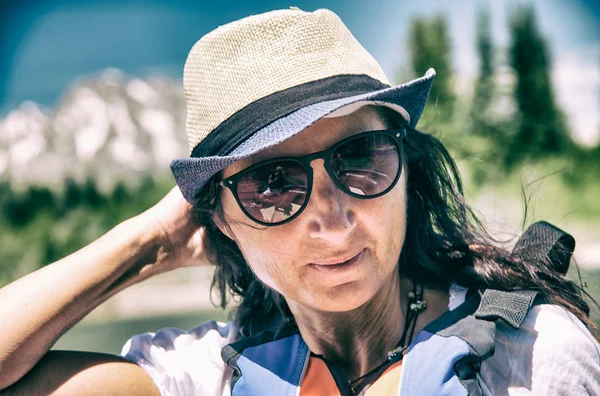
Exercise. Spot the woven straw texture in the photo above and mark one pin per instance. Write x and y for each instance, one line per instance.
(248, 59)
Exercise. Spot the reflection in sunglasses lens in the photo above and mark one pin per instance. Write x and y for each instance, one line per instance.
(368, 165)
(273, 192)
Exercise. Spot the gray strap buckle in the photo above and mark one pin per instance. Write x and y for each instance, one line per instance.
(510, 306)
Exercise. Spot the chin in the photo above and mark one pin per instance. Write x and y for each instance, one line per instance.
(345, 297)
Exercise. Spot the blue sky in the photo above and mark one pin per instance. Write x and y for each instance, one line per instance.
(44, 45)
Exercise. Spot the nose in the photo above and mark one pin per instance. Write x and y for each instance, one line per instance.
(330, 209)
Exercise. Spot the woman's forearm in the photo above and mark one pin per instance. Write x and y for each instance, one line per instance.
(38, 308)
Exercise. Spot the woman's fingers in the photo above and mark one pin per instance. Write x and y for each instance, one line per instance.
(182, 237)
(196, 249)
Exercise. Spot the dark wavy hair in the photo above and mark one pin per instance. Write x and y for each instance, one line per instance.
(445, 243)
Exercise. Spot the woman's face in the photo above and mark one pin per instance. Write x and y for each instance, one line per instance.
(298, 258)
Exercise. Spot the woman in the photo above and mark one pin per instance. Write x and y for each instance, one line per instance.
(342, 229)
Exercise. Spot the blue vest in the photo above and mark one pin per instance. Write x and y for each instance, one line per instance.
(443, 359)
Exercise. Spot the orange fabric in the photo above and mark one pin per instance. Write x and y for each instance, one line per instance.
(318, 381)
(387, 383)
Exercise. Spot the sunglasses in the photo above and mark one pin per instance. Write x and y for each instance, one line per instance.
(365, 166)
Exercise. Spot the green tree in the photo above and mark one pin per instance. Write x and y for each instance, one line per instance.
(73, 196)
(429, 46)
(484, 86)
(541, 129)
(90, 194)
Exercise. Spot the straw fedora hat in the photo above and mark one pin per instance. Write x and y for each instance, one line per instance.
(258, 81)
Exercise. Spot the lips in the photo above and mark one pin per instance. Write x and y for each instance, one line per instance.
(340, 263)
(337, 260)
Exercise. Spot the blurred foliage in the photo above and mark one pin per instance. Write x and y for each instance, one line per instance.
(499, 130)
(541, 129)
(45, 225)
(483, 95)
(429, 46)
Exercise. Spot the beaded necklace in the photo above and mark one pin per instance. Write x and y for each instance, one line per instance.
(416, 305)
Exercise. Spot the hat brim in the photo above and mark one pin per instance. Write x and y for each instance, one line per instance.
(192, 173)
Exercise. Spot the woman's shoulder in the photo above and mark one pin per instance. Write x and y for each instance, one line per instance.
(185, 362)
(551, 353)
(549, 320)
(555, 332)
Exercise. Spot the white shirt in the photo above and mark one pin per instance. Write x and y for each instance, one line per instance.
(552, 353)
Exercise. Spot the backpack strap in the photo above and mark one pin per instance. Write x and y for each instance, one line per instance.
(543, 242)
(510, 306)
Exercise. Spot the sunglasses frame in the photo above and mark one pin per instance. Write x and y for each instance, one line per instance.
(305, 161)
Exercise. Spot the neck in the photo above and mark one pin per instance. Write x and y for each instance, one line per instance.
(353, 340)
(359, 340)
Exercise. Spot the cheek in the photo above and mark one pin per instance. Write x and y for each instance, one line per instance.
(397, 225)
(266, 267)
(385, 218)
(269, 253)
(265, 249)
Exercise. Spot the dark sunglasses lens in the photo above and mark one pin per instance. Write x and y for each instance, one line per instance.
(367, 165)
(274, 192)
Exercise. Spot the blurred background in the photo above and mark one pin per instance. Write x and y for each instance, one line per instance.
(92, 111)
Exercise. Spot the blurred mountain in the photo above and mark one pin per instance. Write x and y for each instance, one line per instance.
(111, 127)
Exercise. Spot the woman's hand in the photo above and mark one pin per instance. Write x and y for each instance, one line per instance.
(180, 238)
